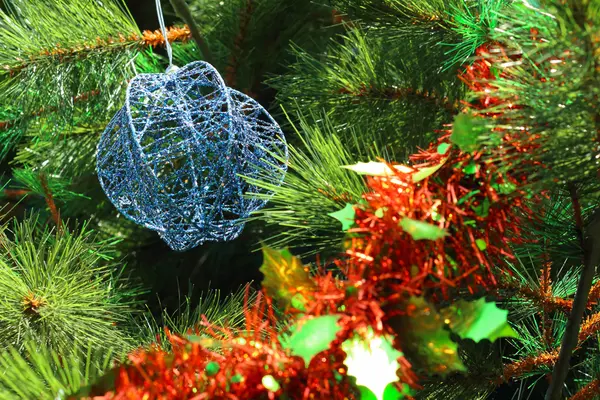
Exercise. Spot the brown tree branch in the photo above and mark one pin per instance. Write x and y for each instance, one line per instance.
(184, 13)
(50, 202)
(403, 93)
(148, 38)
(525, 365)
(82, 97)
(588, 392)
(234, 61)
(591, 249)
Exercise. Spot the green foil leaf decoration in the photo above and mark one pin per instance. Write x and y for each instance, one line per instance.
(346, 216)
(420, 230)
(285, 279)
(464, 134)
(427, 171)
(470, 169)
(443, 148)
(270, 383)
(390, 392)
(212, 368)
(483, 209)
(424, 337)
(365, 352)
(376, 168)
(481, 244)
(478, 320)
(310, 337)
(505, 188)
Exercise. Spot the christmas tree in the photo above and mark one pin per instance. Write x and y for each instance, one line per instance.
(377, 199)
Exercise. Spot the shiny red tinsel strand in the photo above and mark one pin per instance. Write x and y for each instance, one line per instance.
(463, 197)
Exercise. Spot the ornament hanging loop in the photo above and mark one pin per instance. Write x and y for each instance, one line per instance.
(161, 21)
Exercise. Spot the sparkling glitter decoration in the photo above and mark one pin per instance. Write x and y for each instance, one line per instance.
(175, 159)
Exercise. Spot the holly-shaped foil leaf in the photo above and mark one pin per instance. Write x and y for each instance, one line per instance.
(377, 169)
(368, 353)
(443, 148)
(478, 320)
(286, 280)
(426, 172)
(383, 169)
(390, 392)
(505, 188)
(425, 340)
(483, 208)
(346, 216)
(309, 337)
(471, 168)
(420, 230)
(464, 134)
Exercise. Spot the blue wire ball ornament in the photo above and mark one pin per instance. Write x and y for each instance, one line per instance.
(175, 158)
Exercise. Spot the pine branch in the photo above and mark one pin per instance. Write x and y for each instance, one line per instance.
(571, 336)
(41, 183)
(16, 194)
(316, 184)
(80, 98)
(64, 60)
(184, 13)
(398, 93)
(547, 359)
(234, 60)
(544, 301)
(433, 15)
(528, 364)
(538, 74)
(590, 236)
(223, 311)
(406, 94)
(60, 290)
(174, 34)
(594, 293)
(590, 391)
(84, 49)
(42, 374)
(50, 202)
(546, 291)
(589, 327)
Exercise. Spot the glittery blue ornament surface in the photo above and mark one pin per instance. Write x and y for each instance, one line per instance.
(173, 159)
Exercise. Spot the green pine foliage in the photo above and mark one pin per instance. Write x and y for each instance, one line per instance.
(367, 84)
(44, 374)
(364, 80)
(220, 311)
(249, 39)
(62, 60)
(557, 98)
(589, 370)
(60, 290)
(460, 24)
(474, 23)
(316, 185)
(40, 184)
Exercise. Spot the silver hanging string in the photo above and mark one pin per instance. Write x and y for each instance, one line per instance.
(161, 22)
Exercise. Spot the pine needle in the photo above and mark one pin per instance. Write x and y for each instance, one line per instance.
(43, 374)
(60, 290)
